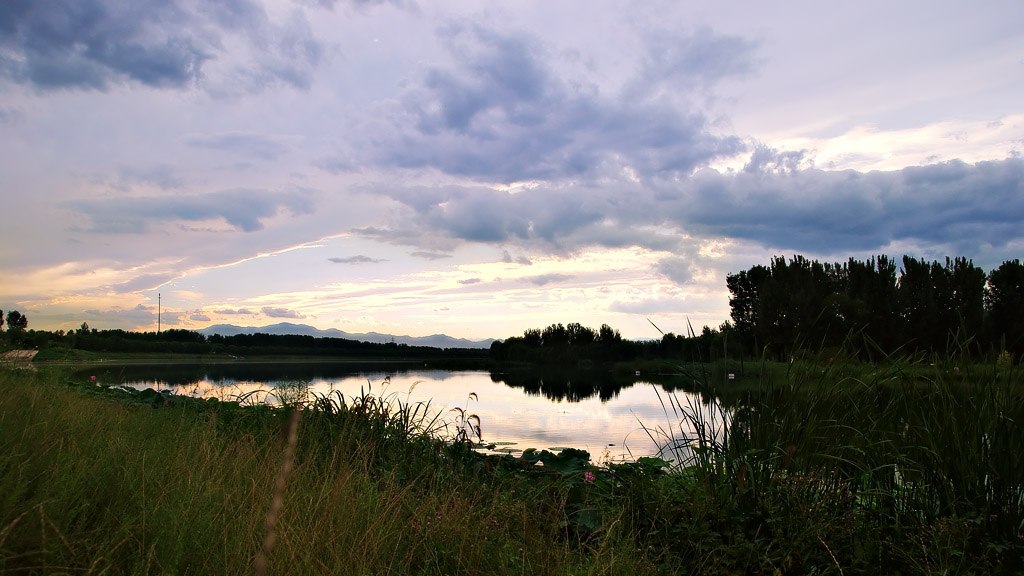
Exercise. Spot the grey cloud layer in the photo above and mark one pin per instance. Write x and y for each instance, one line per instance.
(92, 44)
(507, 109)
(968, 205)
(955, 203)
(625, 165)
(242, 209)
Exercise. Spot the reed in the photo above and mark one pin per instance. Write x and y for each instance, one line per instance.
(905, 465)
(828, 466)
(119, 482)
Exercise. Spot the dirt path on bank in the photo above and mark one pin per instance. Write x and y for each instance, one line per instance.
(18, 355)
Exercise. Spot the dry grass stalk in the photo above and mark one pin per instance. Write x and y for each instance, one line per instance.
(270, 535)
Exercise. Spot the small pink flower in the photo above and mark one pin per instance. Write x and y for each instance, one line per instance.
(93, 378)
(589, 477)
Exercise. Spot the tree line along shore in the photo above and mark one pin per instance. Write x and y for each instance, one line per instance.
(876, 307)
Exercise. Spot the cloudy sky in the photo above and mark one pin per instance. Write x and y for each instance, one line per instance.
(480, 168)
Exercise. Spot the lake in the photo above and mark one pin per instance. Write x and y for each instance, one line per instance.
(518, 410)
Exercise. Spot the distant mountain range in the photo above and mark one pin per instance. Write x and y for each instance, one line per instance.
(435, 341)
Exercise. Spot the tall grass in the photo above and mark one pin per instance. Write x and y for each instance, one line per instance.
(835, 467)
(135, 483)
(905, 466)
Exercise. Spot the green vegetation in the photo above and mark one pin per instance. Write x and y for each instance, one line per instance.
(829, 467)
(821, 463)
(782, 310)
(87, 344)
(790, 306)
(561, 348)
(98, 481)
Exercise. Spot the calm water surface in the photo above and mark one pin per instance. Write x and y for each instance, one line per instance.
(517, 412)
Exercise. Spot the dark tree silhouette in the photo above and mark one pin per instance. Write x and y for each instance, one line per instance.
(803, 303)
(870, 305)
(1004, 302)
(16, 321)
(744, 302)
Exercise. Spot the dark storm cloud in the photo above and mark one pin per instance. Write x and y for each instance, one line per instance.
(92, 44)
(359, 259)
(966, 205)
(487, 215)
(505, 112)
(246, 144)
(242, 209)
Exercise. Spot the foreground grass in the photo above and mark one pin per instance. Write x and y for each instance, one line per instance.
(834, 470)
(99, 485)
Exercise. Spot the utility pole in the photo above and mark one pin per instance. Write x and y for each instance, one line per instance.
(159, 310)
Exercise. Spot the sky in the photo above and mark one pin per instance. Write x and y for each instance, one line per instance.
(482, 168)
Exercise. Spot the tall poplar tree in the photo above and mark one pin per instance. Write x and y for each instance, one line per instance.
(1004, 303)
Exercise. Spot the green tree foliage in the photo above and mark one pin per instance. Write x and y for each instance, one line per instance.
(941, 302)
(708, 346)
(918, 305)
(1004, 301)
(570, 346)
(789, 304)
(795, 306)
(744, 302)
(964, 299)
(608, 336)
(177, 341)
(801, 303)
(869, 303)
(16, 321)
(16, 325)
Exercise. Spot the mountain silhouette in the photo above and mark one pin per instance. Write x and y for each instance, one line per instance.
(435, 341)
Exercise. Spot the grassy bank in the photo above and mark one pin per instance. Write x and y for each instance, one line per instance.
(123, 483)
(830, 468)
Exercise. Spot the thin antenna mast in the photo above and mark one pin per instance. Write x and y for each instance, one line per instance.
(159, 310)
